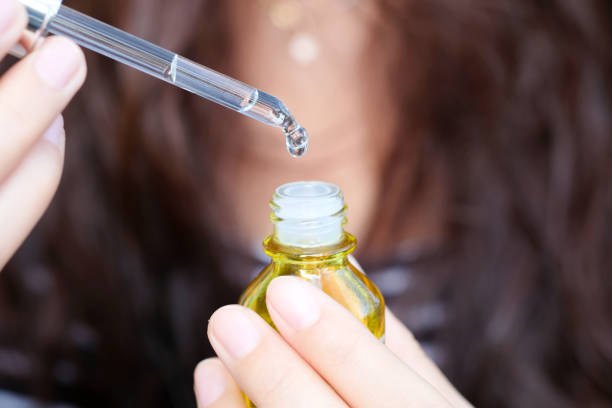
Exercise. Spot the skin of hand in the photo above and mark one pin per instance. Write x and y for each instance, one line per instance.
(32, 95)
(321, 356)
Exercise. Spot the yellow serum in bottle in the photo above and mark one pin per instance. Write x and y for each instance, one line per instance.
(309, 241)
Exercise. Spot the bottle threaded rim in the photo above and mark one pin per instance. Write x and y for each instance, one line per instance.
(308, 214)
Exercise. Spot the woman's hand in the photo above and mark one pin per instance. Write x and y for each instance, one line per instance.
(323, 357)
(32, 95)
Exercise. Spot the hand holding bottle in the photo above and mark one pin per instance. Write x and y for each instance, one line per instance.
(329, 349)
(32, 95)
(321, 357)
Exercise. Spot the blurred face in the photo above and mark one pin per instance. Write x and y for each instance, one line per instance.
(317, 57)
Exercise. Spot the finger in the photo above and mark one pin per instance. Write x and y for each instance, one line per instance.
(403, 344)
(27, 191)
(13, 20)
(263, 365)
(215, 387)
(400, 340)
(354, 362)
(33, 93)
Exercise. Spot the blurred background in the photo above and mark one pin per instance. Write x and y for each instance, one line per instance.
(471, 139)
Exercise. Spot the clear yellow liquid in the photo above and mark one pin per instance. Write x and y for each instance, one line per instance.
(328, 268)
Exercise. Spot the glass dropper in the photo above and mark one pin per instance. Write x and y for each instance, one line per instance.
(49, 16)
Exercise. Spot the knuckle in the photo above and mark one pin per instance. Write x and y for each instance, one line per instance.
(341, 348)
(283, 382)
(11, 115)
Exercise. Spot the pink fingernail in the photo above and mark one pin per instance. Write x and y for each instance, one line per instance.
(235, 331)
(210, 384)
(8, 13)
(57, 62)
(55, 133)
(292, 300)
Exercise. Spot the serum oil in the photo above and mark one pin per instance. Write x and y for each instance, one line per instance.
(309, 242)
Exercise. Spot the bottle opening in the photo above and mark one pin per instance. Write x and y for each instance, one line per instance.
(308, 214)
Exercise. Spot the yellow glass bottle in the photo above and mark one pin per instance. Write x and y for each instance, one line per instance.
(309, 241)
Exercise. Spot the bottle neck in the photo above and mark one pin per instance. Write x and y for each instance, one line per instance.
(311, 233)
(316, 254)
(308, 219)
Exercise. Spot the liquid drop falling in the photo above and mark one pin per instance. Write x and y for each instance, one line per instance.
(297, 140)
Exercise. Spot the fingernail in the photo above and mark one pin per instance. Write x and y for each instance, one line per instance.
(210, 384)
(55, 133)
(291, 299)
(57, 62)
(235, 331)
(8, 13)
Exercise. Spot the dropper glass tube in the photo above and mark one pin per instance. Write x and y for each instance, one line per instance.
(167, 66)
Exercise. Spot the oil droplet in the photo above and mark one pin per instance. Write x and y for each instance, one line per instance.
(297, 140)
(296, 137)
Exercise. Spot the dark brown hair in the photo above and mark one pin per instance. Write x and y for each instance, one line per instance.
(509, 104)
(506, 106)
